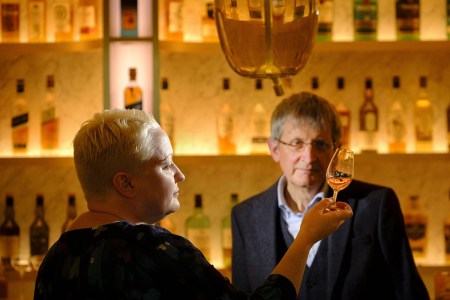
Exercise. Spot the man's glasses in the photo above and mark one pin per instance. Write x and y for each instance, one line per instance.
(318, 145)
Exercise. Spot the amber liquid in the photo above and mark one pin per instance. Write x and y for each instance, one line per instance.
(244, 42)
(87, 19)
(339, 183)
(10, 14)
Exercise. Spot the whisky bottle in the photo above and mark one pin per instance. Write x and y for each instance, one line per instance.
(209, 30)
(416, 227)
(448, 19)
(166, 113)
(368, 120)
(278, 11)
(10, 14)
(365, 19)
(9, 234)
(71, 213)
(396, 128)
(448, 127)
(226, 123)
(226, 233)
(49, 118)
(62, 16)
(198, 228)
(87, 19)
(174, 19)
(423, 119)
(20, 120)
(133, 92)
(259, 126)
(255, 8)
(129, 18)
(39, 232)
(36, 20)
(344, 113)
(408, 19)
(326, 18)
(442, 285)
(447, 236)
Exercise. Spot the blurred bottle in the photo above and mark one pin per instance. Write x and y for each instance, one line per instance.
(198, 228)
(174, 19)
(3, 284)
(368, 120)
(226, 233)
(326, 17)
(259, 126)
(448, 127)
(10, 14)
(447, 236)
(166, 113)
(365, 19)
(37, 20)
(396, 119)
(39, 232)
(20, 120)
(408, 19)
(344, 113)
(226, 123)
(209, 30)
(129, 18)
(62, 15)
(71, 213)
(423, 119)
(87, 19)
(9, 234)
(49, 118)
(442, 285)
(133, 92)
(416, 227)
(255, 8)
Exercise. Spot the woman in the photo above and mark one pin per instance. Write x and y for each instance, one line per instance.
(124, 164)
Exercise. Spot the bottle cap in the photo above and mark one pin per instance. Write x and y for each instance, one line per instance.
(226, 83)
(71, 199)
(258, 84)
(9, 200)
(396, 82)
(368, 83)
(423, 81)
(198, 200)
(340, 83)
(165, 83)
(234, 198)
(315, 83)
(39, 200)
(20, 86)
(132, 72)
(50, 81)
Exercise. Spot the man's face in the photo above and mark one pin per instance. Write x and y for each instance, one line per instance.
(304, 167)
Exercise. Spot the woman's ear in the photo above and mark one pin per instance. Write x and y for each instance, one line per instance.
(123, 184)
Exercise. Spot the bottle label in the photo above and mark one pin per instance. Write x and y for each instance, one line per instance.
(365, 16)
(175, 13)
(9, 246)
(62, 15)
(201, 238)
(19, 120)
(129, 17)
(408, 16)
(10, 17)
(39, 241)
(137, 105)
(325, 17)
(226, 238)
(416, 231)
(396, 128)
(36, 20)
(370, 121)
(86, 18)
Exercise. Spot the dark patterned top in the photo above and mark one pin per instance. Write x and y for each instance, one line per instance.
(125, 261)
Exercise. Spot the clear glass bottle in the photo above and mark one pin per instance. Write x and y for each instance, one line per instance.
(259, 126)
(365, 19)
(62, 16)
(174, 20)
(166, 112)
(88, 25)
(10, 14)
(344, 113)
(326, 18)
(226, 123)
(423, 119)
(198, 228)
(408, 19)
(37, 20)
(39, 232)
(133, 92)
(49, 118)
(368, 120)
(416, 227)
(129, 18)
(226, 233)
(9, 234)
(396, 119)
(71, 212)
(20, 120)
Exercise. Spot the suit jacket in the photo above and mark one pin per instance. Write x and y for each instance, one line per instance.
(368, 257)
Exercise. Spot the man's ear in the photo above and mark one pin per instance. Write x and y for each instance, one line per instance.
(123, 184)
(274, 149)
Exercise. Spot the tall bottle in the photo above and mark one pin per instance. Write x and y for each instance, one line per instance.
(396, 119)
(62, 16)
(447, 236)
(198, 228)
(87, 19)
(408, 19)
(39, 232)
(20, 120)
(71, 212)
(448, 127)
(209, 29)
(49, 118)
(174, 19)
(368, 120)
(259, 126)
(133, 92)
(226, 123)
(10, 14)
(9, 234)
(37, 20)
(365, 19)
(166, 112)
(326, 18)
(416, 227)
(129, 18)
(344, 113)
(423, 119)
(226, 233)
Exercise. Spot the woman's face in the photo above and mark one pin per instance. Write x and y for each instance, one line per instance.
(157, 183)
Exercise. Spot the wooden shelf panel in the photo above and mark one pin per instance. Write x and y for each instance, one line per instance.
(33, 48)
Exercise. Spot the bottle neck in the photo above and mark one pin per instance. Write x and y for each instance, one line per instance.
(39, 212)
(71, 212)
(9, 213)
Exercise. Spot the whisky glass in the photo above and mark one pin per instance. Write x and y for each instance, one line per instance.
(340, 170)
(21, 263)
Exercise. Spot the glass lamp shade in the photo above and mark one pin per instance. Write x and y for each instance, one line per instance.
(267, 38)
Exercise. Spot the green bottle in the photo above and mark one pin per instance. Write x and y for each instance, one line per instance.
(226, 233)
(198, 228)
(365, 19)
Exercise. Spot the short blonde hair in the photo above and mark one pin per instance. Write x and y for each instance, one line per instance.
(112, 141)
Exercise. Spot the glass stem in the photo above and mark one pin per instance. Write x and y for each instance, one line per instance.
(335, 195)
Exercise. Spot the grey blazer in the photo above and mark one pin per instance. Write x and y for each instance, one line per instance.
(369, 257)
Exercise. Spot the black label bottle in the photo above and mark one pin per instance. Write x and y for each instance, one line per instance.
(408, 19)
(365, 19)
(9, 234)
(20, 120)
(39, 232)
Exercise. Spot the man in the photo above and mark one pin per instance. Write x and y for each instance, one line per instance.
(369, 257)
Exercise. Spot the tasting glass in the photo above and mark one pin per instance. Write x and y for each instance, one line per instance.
(340, 170)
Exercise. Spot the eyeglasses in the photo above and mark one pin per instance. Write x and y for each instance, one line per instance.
(299, 145)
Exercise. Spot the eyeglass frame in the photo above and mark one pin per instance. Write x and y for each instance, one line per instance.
(313, 143)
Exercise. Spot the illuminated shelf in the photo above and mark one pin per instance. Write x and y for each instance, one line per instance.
(33, 48)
